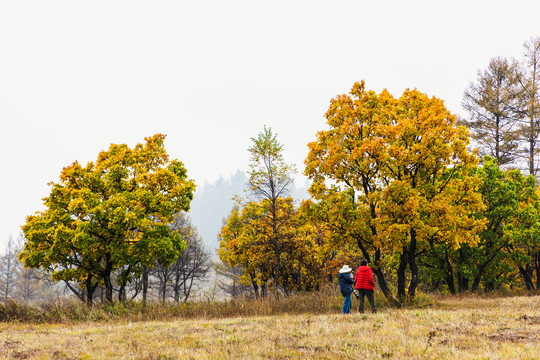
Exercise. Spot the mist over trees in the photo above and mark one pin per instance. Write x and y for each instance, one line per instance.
(213, 201)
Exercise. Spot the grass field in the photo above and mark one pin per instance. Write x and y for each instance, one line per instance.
(449, 328)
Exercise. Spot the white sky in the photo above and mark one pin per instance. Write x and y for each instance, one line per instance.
(76, 76)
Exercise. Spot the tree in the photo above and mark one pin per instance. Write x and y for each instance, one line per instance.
(502, 194)
(406, 165)
(8, 270)
(31, 284)
(237, 252)
(109, 215)
(190, 268)
(529, 81)
(493, 105)
(247, 242)
(269, 176)
(23, 284)
(230, 279)
(270, 179)
(522, 229)
(264, 235)
(506, 242)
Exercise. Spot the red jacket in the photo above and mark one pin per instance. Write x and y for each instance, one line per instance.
(364, 278)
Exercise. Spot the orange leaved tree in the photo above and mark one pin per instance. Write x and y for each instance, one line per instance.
(408, 172)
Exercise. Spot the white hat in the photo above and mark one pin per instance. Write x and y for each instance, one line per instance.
(345, 269)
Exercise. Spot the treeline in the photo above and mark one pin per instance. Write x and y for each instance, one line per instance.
(193, 274)
(114, 227)
(393, 181)
(179, 281)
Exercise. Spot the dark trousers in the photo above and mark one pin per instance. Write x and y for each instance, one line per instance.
(371, 298)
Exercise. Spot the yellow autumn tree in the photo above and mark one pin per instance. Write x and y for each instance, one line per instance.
(248, 240)
(265, 236)
(111, 215)
(242, 245)
(407, 167)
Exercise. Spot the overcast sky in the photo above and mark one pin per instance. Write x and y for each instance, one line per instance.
(76, 76)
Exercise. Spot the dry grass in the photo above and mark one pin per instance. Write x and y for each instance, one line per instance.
(326, 301)
(455, 328)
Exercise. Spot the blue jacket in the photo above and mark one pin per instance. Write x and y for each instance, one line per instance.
(345, 282)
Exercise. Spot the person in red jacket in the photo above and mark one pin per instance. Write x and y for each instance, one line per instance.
(365, 286)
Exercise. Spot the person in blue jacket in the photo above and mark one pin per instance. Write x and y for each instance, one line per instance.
(345, 285)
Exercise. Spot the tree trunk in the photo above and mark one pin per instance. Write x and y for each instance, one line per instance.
(255, 286)
(90, 288)
(463, 280)
(497, 140)
(527, 278)
(122, 292)
(382, 281)
(478, 276)
(144, 285)
(108, 289)
(490, 285)
(179, 265)
(413, 266)
(177, 292)
(80, 294)
(188, 284)
(537, 268)
(163, 293)
(123, 280)
(106, 276)
(402, 276)
(476, 282)
(531, 154)
(377, 270)
(449, 278)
